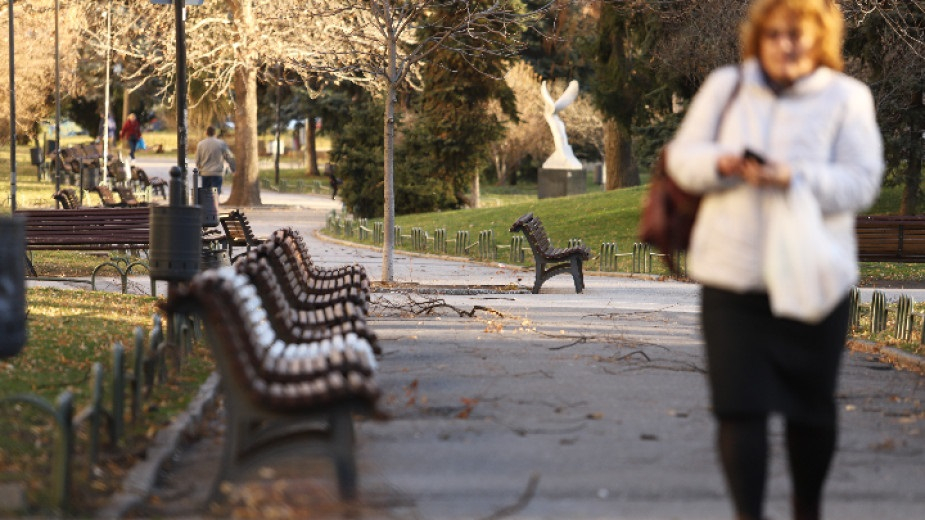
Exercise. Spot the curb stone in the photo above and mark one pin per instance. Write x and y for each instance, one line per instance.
(896, 357)
(138, 482)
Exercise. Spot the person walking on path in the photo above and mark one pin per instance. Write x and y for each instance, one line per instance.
(335, 182)
(797, 123)
(211, 155)
(131, 131)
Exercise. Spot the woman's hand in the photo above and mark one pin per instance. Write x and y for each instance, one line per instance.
(773, 175)
(754, 173)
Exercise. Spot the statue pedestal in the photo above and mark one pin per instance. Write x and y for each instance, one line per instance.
(560, 183)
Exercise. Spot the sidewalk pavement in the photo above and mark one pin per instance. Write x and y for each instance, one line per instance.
(557, 405)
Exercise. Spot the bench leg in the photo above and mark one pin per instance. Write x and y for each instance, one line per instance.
(342, 440)
(577, 274)
(540, 275)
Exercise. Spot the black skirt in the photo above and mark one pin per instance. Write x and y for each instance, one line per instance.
(758, 363)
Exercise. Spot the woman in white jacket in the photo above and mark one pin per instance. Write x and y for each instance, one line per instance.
(800, 120)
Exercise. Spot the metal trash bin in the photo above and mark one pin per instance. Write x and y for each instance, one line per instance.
(176, 242)
(208, 200)
(12, 286)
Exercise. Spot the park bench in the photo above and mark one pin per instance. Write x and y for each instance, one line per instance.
(158, 186)
(550, 260)
(327, 317)
(336, 299)
(883, 238)
(64, 162)
(68, 198)
(106, 197)
(291, 257)
(90, 229)
(238, 232)
(280, 395)
(127, 196)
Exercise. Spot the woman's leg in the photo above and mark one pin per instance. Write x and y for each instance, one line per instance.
(743, 451)
(812, 437)
(810, 449)
(737, 329)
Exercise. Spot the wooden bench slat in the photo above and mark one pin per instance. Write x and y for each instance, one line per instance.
(885, 238)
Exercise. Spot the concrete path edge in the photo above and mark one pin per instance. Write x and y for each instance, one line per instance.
(137, 484)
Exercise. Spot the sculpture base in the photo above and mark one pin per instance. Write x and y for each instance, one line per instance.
(560, 183)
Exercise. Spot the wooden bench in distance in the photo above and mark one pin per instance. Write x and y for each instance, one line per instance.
(886, 238)
(238, 232)
(558, 260)
(68, 198)
(90, 229)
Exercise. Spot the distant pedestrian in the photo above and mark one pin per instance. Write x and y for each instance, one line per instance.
(797, 125)
(212, 154)
(330, 171)
(131, 131)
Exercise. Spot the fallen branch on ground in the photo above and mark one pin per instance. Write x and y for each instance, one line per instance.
(428, 306)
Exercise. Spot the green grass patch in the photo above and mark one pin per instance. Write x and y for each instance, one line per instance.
(610, 216)
(69, 331)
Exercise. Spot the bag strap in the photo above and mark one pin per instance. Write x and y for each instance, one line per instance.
(732, 95)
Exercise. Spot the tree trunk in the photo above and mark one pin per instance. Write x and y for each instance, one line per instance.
(388, 208)
(912, 177)
(476, 198)
(245, 188)
(311, 146)
(622, 171)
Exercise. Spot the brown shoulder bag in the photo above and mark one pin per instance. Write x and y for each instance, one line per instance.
(669, 212)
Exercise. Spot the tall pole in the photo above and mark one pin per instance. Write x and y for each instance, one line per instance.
(105, 137)
(58, 109)
(12, 116)
(279, 72)
(182, 111)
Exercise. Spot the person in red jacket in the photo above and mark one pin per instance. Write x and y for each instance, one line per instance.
(131, 130)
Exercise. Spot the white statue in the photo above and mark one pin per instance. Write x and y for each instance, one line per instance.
(563, 158)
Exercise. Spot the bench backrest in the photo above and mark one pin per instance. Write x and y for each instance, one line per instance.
(68, 198)
(106, 196)
(127, 196)
(890, 238)
(87, 228)
(272, 371)
(533, 229)
(331, 317)
(303, 288)
(292, 239)
(238, 229)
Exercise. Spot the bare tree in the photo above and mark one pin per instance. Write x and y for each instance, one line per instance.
(34, 36)
(380, 44)
(229, 44)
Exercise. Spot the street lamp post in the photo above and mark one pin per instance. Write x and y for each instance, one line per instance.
(58, 110)
(182, 110)
(12, 115)
(104, 166)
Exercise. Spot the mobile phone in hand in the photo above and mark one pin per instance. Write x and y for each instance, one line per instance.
(751, 154)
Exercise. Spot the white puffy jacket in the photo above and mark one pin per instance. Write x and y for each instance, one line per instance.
(824, 127)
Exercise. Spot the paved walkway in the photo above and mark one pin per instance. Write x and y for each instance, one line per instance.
(557, 405)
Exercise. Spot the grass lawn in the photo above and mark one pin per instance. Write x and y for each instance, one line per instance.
(600, 216)
(69, 331)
